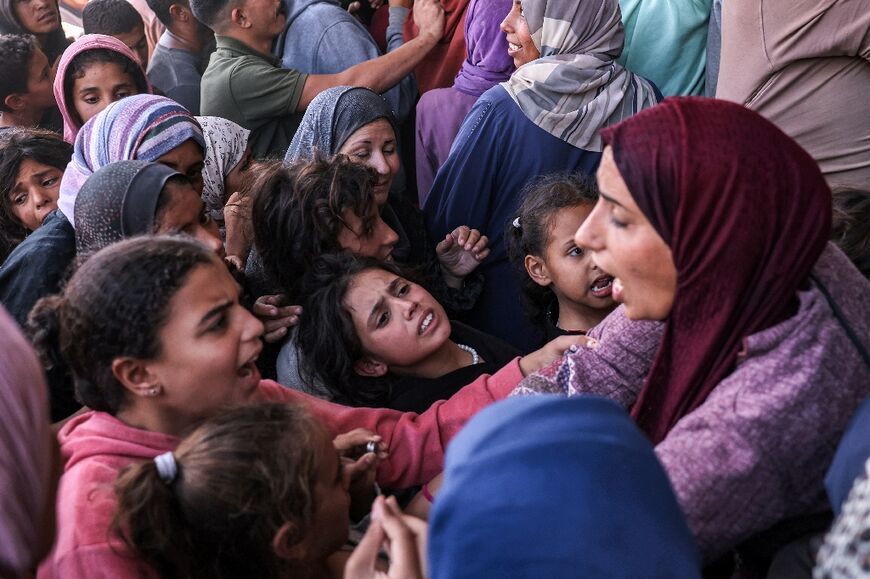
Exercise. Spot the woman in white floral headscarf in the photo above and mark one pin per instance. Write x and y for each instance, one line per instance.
(226, 162)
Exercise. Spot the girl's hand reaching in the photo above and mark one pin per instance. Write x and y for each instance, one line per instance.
(460, 253)
(554, 350)
(277, 317)
(360, 465)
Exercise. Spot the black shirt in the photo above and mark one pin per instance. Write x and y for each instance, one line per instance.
(411, 394)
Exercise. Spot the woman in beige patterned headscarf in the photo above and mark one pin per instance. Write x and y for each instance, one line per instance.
(544, 119)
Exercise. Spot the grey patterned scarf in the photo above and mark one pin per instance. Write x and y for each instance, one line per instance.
(576, 87)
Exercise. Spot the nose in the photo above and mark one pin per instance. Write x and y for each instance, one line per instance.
(505, 24)
(253, 328)
(379, 163)
(388, 237)
(589, 234)
(212, 241)
(41, 197)
(408, 307)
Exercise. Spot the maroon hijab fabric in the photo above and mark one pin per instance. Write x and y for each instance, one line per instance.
(746, 213)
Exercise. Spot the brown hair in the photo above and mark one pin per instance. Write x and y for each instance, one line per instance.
(850, 229)
(297, 213)
(241, 476)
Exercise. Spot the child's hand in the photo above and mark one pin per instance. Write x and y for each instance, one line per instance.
(402, 537)
(552, 351)
(276, 316)
(460, 253)
(360, 466)
(353, 444)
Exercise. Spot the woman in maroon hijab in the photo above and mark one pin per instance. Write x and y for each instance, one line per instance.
(714, 221)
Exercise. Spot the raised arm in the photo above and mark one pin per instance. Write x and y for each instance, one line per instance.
(382, 73)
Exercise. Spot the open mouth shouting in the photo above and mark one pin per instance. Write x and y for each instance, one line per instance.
(249, 371)
(602, 287)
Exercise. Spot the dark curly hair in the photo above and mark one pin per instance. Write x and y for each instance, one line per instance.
(16, 52)
(114, 306)
(241, 476)
(326, 337)
(297, 213)
(16, 146)
(529, 232)
(850, 229)
(84, 60)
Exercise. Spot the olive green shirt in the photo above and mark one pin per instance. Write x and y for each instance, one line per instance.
(251, 89)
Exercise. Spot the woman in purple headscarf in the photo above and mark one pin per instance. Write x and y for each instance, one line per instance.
(440, 111)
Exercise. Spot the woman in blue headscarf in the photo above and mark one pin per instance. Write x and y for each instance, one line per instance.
(547, 487)
(554, 487)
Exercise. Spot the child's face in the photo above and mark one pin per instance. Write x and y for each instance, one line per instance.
(35, 192)
(331, 517)
(399, 324)
(102, 84)
(135, 40)
(37, 16)
(40, 95)
(574, 278)
(185, 213)
(377, 242)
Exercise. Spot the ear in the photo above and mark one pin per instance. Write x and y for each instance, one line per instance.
(537, 270)
(135, 376)
(179, 12)
(286, 543)
(15, 101)
(238, 17)
(369, 368)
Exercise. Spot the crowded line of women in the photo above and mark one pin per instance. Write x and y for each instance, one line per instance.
(435, 288)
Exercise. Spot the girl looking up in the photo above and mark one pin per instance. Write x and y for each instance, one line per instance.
(95, 71)
(32, 163)
(371, 337)
(566, 293)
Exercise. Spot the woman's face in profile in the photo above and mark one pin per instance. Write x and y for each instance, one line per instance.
(625, 244)
(520, 45)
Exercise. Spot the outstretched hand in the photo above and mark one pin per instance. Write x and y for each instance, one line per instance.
(554, 350)
(460, 252)
(403, 538)
(277, 317)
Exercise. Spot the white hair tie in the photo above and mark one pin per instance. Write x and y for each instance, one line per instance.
(516, 223)
(167, 468)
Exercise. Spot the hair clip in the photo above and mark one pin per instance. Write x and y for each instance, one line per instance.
(167, 468)
(516, 223)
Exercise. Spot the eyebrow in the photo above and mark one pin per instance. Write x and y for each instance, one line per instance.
(610, 199)
(380, 303)
(35, 177)
(114, 87)
(215, 311)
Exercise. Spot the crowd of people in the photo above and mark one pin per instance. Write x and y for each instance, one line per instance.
(435, 288)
